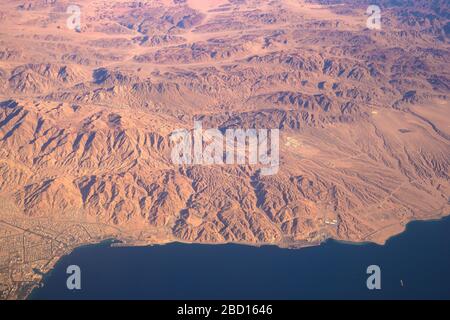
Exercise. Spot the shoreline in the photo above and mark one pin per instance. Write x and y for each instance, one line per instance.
(118, 243)
(47, 274)
(335, 249)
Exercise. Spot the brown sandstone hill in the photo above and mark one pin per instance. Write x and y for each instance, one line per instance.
(86, 119)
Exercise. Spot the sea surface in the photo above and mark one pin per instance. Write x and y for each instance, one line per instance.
(414, 265)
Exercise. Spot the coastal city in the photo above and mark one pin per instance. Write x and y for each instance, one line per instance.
(29, 248)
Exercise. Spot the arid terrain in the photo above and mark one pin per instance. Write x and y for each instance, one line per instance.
(86, 116)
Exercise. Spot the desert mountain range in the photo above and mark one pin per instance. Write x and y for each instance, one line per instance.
(86, 117)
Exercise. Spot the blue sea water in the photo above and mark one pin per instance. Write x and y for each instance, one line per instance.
(419, 257)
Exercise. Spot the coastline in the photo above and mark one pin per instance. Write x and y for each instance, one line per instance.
(163, 266)
(118, 243)
(48, 273)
